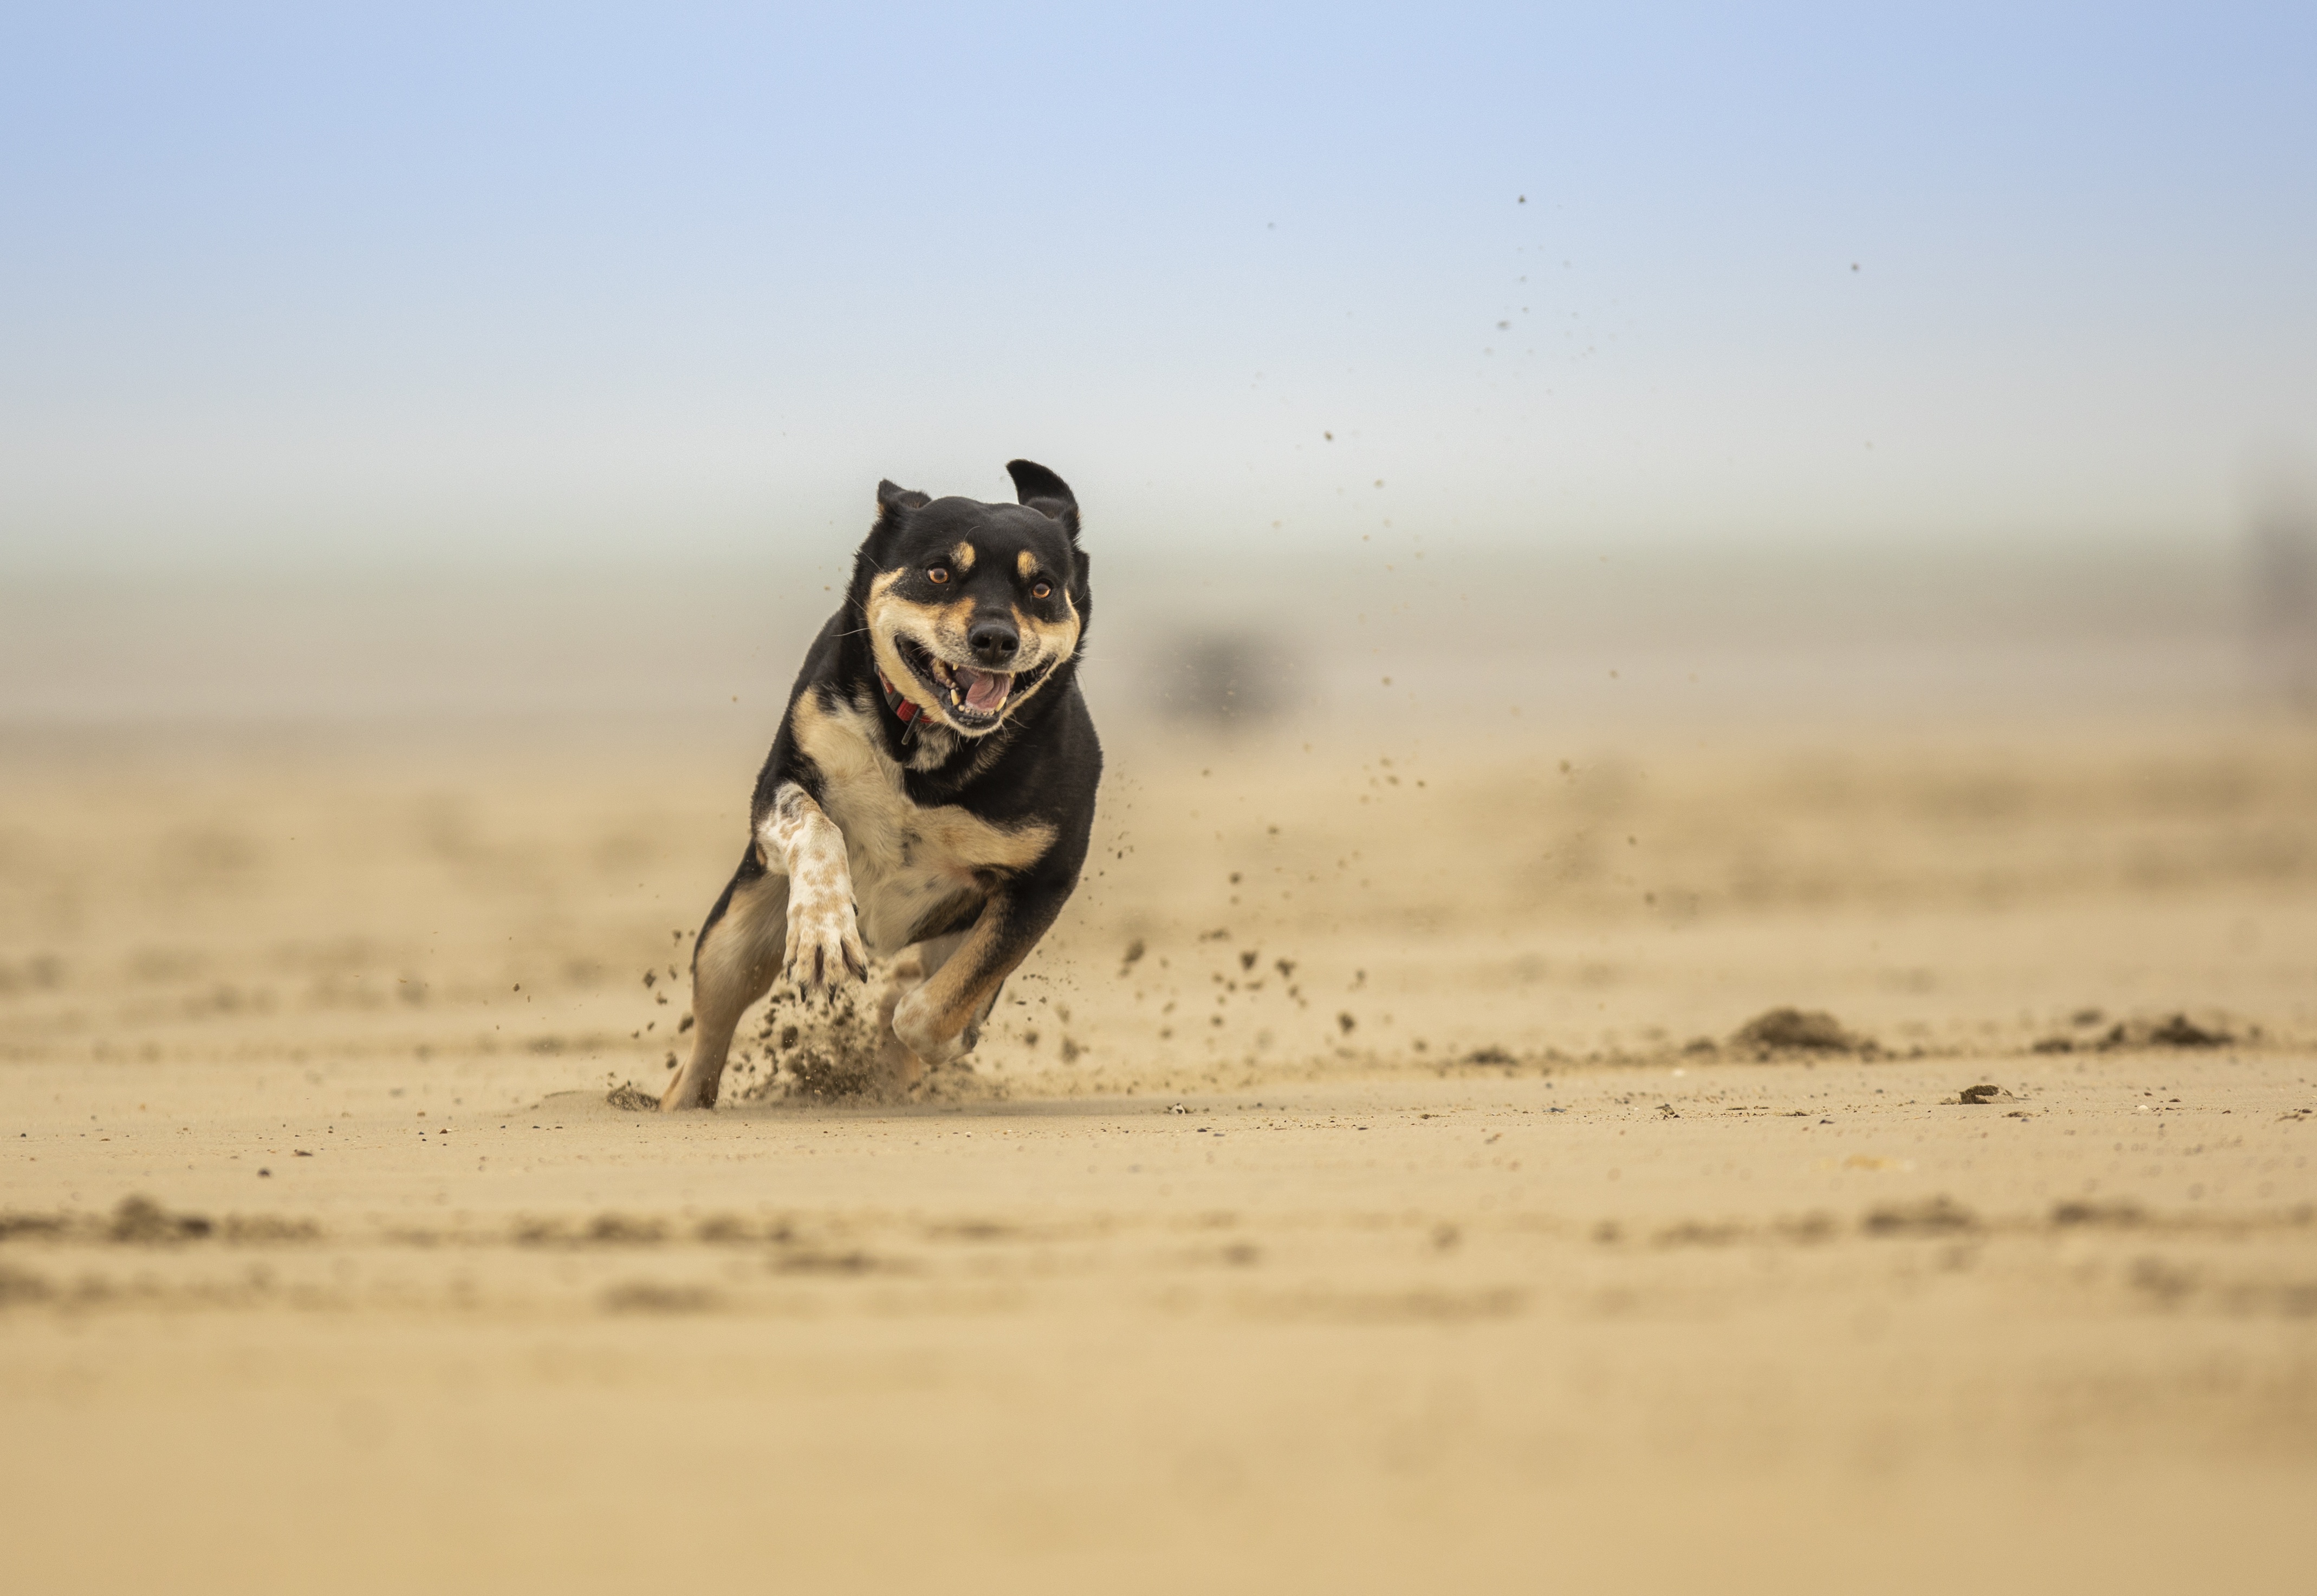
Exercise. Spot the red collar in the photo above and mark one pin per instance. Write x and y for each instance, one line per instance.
(904, 711)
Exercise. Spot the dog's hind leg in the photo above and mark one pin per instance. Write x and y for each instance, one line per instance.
(929, 956)
(732, 966)
(942, 1019)
(920, 963)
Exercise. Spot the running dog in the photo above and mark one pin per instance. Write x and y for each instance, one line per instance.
(931, 786)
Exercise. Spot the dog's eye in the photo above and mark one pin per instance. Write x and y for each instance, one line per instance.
(938, 575)
(1043, 590)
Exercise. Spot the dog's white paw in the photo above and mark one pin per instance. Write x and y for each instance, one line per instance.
(918, 1023)
(824, 946)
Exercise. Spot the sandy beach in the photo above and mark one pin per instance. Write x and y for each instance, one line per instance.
(1366, 1185)
(1696, 971)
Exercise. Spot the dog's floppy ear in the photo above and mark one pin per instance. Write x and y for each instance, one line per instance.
(890, 497)
(1045, 493)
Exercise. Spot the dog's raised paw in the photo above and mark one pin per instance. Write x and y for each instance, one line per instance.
(824, 946)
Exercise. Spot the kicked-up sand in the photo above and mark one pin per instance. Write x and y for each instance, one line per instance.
(1366, 1187)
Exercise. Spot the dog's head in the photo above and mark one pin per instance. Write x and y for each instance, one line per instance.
(971, 608)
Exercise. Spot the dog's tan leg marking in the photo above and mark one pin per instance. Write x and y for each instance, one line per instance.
(910, 969)
(824, 941)
(935, 952)
(731, 968)
(941, 1019)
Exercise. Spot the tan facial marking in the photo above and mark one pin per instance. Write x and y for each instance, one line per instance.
(942, 625)
(962, 557)
(944, 628)
(1056, 639)
(1026, 564)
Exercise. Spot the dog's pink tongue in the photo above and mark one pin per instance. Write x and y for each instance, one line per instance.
(985, 690)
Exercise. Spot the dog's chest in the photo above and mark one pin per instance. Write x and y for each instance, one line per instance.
(909, 862)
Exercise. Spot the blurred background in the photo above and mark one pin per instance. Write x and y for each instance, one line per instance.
(1625, 539)
(506, 362)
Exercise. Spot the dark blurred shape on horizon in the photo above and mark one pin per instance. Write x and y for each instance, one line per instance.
(1542, 366)
(1545, 643)
(1230, 680)
(2284, 550)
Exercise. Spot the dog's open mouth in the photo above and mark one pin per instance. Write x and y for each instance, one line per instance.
(969, 695)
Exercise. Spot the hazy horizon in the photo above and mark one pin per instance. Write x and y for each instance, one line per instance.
(1379, 639)
(510, 289)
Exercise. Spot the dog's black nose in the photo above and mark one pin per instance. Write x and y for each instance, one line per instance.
(995, 643)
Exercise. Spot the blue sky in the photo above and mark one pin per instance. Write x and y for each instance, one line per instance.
(498, 285)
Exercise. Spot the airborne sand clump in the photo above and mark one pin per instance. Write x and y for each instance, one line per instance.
(835, 1051)
(838, 1051)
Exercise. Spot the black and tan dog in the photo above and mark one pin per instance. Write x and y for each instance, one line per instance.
(931, 787)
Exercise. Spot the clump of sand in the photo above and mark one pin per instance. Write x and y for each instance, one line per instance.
(141, 1221)
(1933, 1216)
(1799, 1030)
(2143, 1033)
(2176, 1031)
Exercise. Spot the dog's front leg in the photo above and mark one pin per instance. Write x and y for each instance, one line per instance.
(824, 941)
(941, 1019)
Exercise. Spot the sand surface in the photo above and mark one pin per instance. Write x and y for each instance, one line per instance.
(1402, 1214)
